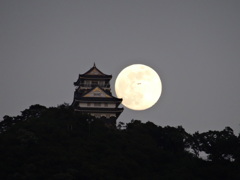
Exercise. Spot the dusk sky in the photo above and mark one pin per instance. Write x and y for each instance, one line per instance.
(194, 45)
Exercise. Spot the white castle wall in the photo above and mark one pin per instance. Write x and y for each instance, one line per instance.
(98, 105)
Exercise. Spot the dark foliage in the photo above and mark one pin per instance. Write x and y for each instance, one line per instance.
(57, 143)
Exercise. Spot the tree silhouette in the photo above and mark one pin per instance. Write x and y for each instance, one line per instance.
(55, 143)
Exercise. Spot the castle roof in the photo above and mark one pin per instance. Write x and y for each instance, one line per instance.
(104, 96)
(93, 73)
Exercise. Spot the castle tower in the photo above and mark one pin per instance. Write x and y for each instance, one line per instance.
(93, 95)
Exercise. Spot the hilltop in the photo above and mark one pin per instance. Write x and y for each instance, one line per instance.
(58, 143)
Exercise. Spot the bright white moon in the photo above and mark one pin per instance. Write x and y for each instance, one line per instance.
(139, 86)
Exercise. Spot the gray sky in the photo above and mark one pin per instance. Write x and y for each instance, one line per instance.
(194, 45)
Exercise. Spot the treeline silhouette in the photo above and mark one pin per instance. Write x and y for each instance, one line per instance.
(59, 144)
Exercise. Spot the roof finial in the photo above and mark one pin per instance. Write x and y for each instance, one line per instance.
(94, 65)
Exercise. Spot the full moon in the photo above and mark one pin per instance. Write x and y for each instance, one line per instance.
(139, 86)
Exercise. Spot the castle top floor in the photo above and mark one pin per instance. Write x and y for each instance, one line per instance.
(92, 78)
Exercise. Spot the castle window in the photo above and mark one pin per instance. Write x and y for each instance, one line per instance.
(97, 104)
(94, 83)
(101, 83)
(105, 104)
(88, 104)
(87, 83)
